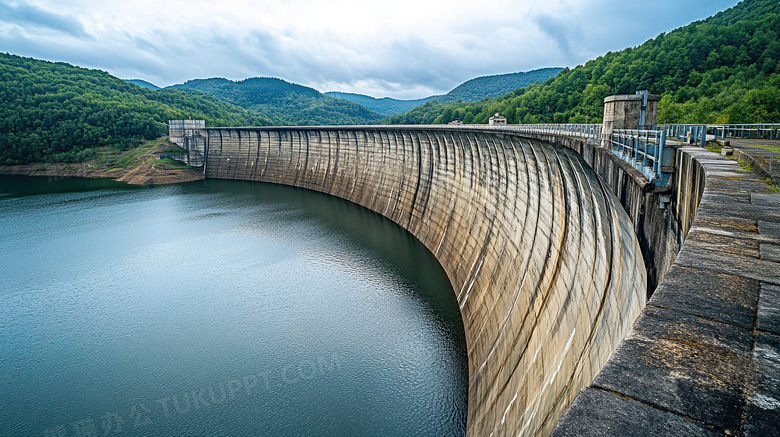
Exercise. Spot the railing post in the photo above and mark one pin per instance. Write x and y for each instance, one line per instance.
(703, 135)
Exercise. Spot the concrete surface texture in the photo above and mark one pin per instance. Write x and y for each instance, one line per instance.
(543, 260)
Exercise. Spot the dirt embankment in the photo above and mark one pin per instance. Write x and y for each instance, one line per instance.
(138, 166)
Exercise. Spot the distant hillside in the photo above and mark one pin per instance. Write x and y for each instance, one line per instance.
(143, 84)
(720, 70)
(497, 85)
(57, 112)
(384, 106)
(284, 102)
(471, 90)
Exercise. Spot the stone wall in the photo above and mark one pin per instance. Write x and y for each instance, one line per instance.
(541, 256)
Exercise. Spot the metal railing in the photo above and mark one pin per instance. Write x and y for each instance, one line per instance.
(686, 133)
(585, 131)
(645, 150)
(699, 132)
(767, 131)
(590, 132)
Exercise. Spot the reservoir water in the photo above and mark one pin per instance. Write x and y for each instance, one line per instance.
(219, 308)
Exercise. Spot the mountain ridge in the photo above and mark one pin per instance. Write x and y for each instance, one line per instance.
(383, 105)
(143, 84)
(498, 84)
(283, 102)
(474, 89)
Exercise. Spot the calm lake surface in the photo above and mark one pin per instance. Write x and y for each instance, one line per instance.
(219, 308)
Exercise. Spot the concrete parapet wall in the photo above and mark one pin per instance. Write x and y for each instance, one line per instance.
(542, 258)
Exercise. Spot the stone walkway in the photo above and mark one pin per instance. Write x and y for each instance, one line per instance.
(704, 357)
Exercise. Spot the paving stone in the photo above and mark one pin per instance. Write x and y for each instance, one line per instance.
(768, 205)
(727, 223)
(763, 407)
(739, 211)
(729, 196)
(737, 184)
(766, 199)
(770, 252)
(768, 213)
(733, 231)
(769, 308)
(699, 257)
(711, 295)
(770, 229)
(685, 364)
(598, 413)
(720, 242)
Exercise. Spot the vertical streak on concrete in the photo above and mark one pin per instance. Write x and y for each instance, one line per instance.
(543, 261)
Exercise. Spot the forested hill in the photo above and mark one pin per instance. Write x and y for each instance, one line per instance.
(56, 111)
(497, 85)
(474, 89)
(384, 105)
(143, 84)
(723, 69)
(284, 102)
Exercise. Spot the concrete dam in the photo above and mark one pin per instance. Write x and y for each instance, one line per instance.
(544, 261)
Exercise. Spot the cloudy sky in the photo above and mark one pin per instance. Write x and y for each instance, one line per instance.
(397, 48)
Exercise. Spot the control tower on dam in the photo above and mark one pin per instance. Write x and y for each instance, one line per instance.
(542, 257)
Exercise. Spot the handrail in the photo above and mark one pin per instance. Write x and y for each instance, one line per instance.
(769, 131)
(577, 130)
(698, 132)
(687, 133)
(645, 150)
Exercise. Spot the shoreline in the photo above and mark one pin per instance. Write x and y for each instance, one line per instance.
(138, 166)
(134, 176)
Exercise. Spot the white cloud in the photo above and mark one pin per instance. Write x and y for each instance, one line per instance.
(403, 49)
(31, 16)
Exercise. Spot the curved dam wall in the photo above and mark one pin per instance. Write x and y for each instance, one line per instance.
(542, 258)
(661, 230)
